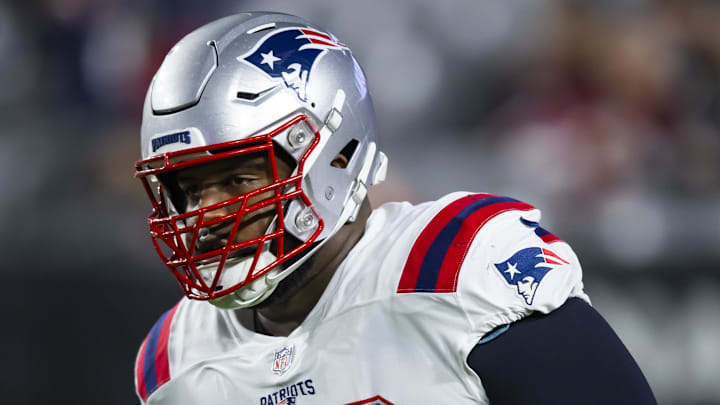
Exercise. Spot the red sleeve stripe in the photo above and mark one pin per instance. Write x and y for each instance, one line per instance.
(409, 277)
(139, 374)
(162, 363)
(153, 368)
(450, 270)
(434, 262)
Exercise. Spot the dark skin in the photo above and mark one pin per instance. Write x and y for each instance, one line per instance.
(287, 307)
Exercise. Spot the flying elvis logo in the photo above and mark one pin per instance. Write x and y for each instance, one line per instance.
(526, 269)
(288, 55)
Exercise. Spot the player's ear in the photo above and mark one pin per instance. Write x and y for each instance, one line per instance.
(339, 161)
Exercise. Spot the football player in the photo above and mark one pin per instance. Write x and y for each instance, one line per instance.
(258, 147)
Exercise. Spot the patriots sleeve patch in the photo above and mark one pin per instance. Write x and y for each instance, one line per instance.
(526, 269)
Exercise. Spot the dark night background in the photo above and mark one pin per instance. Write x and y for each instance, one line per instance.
(606, 115)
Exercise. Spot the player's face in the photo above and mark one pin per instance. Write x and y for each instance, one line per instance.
(222, 180)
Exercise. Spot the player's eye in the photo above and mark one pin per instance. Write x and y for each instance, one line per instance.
(243, 180)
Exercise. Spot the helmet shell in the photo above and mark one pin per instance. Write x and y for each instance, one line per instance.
(196, 89)
(259, 76)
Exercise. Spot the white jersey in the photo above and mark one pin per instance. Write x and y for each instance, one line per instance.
(394, 326)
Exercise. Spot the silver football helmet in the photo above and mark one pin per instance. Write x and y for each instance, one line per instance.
(249, 83)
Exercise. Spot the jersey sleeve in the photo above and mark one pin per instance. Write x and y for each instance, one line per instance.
(511, 267)
(152, 365)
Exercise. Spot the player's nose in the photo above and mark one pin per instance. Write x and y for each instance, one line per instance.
(210, 196)
(210, 235)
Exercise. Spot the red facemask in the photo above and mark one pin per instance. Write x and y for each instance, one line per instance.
(175, 234)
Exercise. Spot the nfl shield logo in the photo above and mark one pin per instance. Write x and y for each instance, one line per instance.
(283, 359)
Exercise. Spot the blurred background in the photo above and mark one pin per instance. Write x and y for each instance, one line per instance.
(606, 115)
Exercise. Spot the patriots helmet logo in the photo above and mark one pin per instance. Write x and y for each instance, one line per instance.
(526, 269)
(288, 55)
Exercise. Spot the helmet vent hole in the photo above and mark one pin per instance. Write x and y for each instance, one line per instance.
(244, 95)
(247, 96)
(349, 150)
